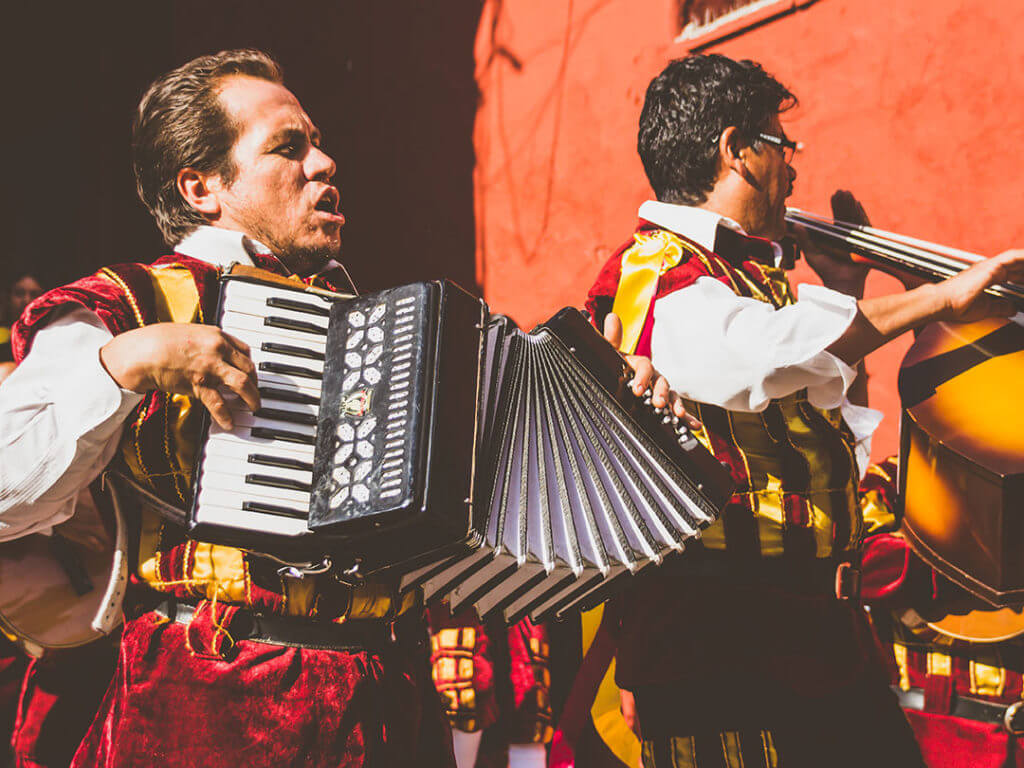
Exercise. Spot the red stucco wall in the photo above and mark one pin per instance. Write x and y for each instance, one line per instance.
(915, 105)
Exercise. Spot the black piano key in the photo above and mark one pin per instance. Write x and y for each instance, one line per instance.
(288, 324)
(288, 396)
(277, 414)
(282, 462)
(290, 370)
(298, 306)
(278, 482)
(267, 433)
(291, 351)
(274, 509)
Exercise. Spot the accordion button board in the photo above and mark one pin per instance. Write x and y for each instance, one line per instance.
(413, 433)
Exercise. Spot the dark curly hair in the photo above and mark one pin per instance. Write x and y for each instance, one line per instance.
(179, 124)
(685, 111)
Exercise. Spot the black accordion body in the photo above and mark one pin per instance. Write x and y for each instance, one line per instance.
(410, 431)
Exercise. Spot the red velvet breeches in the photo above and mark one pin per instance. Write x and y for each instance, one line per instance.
(59, 699)
(265, 706)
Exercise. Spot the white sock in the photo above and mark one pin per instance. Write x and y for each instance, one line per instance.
(527, 756)
(467, 744)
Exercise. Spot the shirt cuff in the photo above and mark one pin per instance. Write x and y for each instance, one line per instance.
(837, 311)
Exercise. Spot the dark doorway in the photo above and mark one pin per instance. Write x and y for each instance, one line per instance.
(390, 85)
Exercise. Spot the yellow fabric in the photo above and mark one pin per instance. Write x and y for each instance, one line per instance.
(177, 298)
(5, 334)
(877, 514)
(609, 723)
(940, 664)
(642, 264)
(732, 752)
(222, 569)
(764, 463)
(987, 680)
(900, 652)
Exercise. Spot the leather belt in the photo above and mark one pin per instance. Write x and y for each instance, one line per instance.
(353, 635)
(1010, 717)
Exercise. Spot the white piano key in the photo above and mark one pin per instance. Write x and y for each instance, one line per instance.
(255, 338)
(215, 481)
(241, 436)
(239, 466)
(232, 515)
(235, 320)
(299, 409)
(235, 498)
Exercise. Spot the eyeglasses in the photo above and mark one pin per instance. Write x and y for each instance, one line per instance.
(785, 146)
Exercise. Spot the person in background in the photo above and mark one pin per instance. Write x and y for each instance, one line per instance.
(23, 289)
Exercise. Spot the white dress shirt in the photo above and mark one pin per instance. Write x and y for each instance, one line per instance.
(739, 353)
(61, 413)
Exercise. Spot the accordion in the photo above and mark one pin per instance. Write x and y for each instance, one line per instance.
(412, 432)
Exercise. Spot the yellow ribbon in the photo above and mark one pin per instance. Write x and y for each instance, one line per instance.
(643, 263)
(609, 723)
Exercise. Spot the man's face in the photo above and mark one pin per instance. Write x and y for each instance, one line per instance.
(772, 181)
(281, 193)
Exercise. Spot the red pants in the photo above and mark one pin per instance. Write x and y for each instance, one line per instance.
(265, 705)
(59, 699)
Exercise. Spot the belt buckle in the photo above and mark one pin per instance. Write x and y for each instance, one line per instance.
(1010, 715)
(847, 581)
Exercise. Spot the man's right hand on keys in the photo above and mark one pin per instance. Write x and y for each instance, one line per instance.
(184, 359)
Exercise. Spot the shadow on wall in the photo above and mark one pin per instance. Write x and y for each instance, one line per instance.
(390, 85)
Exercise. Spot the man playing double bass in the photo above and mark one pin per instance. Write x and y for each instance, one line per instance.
(753, 649)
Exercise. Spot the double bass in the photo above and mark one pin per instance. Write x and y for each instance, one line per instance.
(961, 462)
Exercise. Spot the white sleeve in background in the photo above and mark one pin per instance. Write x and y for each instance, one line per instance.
(527, 756)
(739, 353)
(60, 424)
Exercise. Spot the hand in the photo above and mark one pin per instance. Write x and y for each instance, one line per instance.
(962, 297)
(834, 265)
(644, 375)
(184, 359)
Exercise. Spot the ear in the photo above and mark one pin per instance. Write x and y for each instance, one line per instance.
(200, 190)
(732, 150)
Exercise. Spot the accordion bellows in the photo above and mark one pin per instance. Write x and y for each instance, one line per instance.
(512, 471)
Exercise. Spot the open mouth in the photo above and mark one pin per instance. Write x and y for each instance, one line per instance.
(328, 202)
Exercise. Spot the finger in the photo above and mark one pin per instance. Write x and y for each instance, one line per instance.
(613, 329)
(216, 406)
(643, 373)
(680, 410)
(238, 344)
(659, 397)
(241, 383)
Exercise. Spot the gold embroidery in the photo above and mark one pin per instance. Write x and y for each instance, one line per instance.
(683, 750)
(116, 279)
(940, 664)
(771, 757)
(900, 652)
(987, 680)
(731, 750)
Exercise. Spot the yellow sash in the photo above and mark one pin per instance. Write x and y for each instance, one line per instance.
(643, 263)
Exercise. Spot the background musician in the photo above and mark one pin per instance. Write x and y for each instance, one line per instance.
(742, 648)
(223, 659)
(961, 683)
